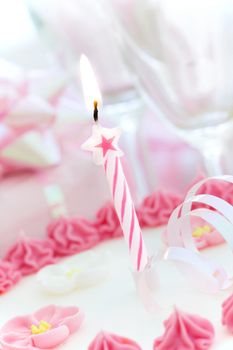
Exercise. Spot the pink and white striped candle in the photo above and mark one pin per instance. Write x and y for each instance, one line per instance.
(103, 144)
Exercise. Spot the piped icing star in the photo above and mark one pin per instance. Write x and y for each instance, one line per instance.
(103, 143)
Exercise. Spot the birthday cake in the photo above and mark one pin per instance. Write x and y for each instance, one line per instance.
(94, 299)
(114, 315)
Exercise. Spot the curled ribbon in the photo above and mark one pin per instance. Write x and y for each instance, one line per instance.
(208, 275)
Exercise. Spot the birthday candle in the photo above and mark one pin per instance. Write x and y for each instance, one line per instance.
(103, 144)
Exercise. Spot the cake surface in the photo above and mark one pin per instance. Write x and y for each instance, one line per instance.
(114, 306)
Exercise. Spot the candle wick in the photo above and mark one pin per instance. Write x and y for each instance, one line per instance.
(95, 112)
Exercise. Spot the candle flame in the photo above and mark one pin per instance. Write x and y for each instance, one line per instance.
(95, 104)
(91, 91)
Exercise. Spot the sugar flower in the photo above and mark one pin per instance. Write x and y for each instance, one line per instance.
(79, 273)
(46, 328)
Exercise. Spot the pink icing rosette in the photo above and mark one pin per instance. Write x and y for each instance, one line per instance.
(156, 209)
(227, 313)
(108, 341)
(44, 329)
(214, 187)
(185, 331)
(72, 236)
(29, 255)
(9, 275)
(107, 222)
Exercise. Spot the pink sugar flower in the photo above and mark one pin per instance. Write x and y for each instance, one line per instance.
(204, 234)
(9, 275)
(45, 329)
(30, 254)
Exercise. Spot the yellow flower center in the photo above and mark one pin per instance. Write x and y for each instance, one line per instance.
(42, 328)
(201, 230)
(72, 271)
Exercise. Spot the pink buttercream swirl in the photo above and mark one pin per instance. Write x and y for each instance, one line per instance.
(9, 275)
(107, 222)
(156, 209)
(44, 329)
(72, 236)
(216, 188)
(108, 341)
(30, 254)
(227, 313)
(185, 332)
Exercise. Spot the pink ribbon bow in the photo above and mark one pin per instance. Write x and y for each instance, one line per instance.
(27, 115)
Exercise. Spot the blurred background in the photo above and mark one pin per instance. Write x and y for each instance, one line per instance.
(165, 71)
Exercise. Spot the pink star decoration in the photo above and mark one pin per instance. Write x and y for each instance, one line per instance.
(106, 145)
(103, 143)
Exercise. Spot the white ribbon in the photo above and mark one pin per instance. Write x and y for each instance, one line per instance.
(181, 247)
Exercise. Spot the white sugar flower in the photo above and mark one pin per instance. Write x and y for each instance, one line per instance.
(82, 271)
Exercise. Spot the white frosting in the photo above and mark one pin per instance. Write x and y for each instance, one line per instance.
(113, 305)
